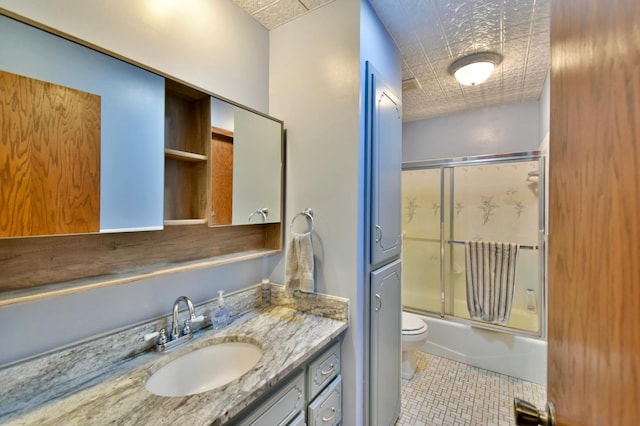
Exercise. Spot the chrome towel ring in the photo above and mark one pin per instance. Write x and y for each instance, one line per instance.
(264, 212)
(308, 213)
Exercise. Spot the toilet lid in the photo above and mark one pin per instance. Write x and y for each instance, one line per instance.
(412, 324)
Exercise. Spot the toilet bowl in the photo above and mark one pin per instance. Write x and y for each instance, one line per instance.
(414, 336)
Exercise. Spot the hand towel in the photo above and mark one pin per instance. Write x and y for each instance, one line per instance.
(299, 264)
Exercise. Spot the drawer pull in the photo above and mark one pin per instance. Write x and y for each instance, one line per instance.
(331, 417)
(332, 368)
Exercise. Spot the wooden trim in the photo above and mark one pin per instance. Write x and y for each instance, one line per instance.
(223, 132)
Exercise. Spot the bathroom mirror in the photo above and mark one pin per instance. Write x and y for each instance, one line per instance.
(246, 169)
(132, 193)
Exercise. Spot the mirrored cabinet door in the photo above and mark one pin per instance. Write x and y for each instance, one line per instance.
(246, 166)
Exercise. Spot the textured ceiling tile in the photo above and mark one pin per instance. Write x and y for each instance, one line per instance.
(279, 13)
(252, 6)
(512, 32)
(314, 4)
(432, 33)
(448, 29)
(411, 49)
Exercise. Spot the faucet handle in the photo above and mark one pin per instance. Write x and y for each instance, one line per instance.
(162, 339)
(187, 327)
(187, 324)
(150, 336)
(161, 335)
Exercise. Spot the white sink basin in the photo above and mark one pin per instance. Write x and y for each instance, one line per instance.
(204, 369)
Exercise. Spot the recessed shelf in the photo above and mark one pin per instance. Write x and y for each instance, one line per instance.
(183, 155)
(174, 222)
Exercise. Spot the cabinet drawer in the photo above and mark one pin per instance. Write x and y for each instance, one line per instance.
(327, 407)
(281, 407)
(321, 371)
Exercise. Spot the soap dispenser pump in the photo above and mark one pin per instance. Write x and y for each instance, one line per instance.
(221, 315)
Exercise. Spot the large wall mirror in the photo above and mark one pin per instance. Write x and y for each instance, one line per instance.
(137, 148)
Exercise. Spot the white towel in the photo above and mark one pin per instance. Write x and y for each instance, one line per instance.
(299, 264)
(491, 276)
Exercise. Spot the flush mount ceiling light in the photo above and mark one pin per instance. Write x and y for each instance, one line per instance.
(475, 68)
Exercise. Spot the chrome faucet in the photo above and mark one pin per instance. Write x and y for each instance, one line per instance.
(175, 327)
(163, 343)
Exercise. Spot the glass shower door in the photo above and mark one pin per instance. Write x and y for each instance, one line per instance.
(495, 202)
(421, 240)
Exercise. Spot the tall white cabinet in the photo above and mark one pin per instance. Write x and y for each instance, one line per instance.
(384, 156)
(386, 171)
(386, 355)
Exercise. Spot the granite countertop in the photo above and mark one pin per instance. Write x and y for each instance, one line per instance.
(290, 330)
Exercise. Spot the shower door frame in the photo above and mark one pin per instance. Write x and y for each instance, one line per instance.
(451, 163)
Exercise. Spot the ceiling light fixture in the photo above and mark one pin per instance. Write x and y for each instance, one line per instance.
(475, 68)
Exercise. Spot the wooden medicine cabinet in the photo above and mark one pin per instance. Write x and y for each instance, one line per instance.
(150, 160)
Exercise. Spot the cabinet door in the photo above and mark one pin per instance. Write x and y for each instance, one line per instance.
(131, 165)
(280, 408)
(385, 139)
(386, 350)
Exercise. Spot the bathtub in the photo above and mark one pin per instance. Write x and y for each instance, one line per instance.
(517, 356)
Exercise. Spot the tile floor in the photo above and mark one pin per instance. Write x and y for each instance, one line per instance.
(450, 393)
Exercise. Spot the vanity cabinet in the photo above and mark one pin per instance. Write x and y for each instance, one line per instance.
(324, 387)
(318, 383)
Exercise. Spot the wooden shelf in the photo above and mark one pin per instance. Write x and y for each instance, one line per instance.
(32, 294)
(187, 150)
(183, 155)
(174, 222)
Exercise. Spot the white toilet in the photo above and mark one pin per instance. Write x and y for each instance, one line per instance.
(414, 336)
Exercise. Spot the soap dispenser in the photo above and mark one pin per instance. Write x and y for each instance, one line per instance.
(221, 315)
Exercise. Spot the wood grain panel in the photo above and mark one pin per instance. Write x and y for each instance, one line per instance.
(185, 189)
(594, 234)
(187, 129)
(49, 157)
(32, 262)
(221, 177)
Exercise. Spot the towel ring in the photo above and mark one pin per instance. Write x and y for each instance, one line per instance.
(264, 212)
(308, 213)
